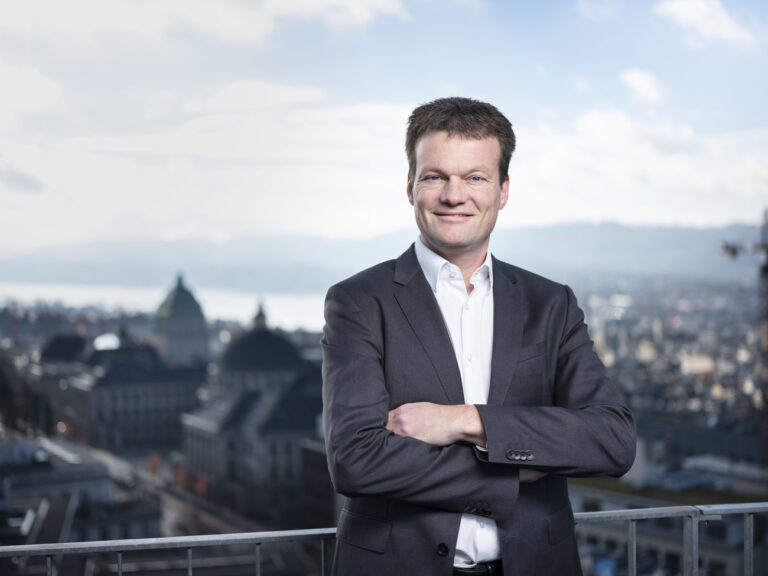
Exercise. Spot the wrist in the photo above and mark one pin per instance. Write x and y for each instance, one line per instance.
(471, 425)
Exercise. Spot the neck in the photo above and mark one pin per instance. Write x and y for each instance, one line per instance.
(467, 260)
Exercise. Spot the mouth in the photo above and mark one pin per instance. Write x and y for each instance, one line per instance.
(452, 217)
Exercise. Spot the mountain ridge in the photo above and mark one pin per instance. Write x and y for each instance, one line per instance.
(308, 264)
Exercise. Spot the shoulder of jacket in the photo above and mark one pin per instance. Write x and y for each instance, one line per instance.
(370, 279)
(529, 279)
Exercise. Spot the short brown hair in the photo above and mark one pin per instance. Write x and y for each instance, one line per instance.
(460, 117)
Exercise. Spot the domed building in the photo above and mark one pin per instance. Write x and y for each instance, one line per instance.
(180, 330)
(258, 360)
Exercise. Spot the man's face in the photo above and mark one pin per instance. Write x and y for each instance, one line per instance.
(456, 193)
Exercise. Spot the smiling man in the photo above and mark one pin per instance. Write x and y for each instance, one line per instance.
(460, 391)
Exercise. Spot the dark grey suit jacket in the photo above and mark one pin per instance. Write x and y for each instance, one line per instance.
(550, 407)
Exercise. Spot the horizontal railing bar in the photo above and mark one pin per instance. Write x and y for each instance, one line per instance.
(748, 508)
(104, 546)
(636, 514)
(172, 542)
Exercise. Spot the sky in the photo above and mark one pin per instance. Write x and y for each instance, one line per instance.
(173, 119)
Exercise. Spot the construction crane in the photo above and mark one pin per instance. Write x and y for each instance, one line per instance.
(734, 250)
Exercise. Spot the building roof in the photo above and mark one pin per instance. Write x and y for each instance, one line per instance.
(224, 412)
(180, 303)
(64, 348)
(300, 404)
(143, 355)
(120, 373)
(296, 408)
(261, 349)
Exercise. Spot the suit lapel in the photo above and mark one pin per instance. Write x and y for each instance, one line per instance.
(418, 303)
(507, 331)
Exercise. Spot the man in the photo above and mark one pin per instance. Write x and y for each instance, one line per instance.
(459, 391)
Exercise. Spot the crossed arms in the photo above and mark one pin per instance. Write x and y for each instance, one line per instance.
(423, 451)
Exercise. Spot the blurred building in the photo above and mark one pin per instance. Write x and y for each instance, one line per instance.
(320, 503)
(260, 359)
(54, 491)
(118, 396)
(181, 333)
(245, 441)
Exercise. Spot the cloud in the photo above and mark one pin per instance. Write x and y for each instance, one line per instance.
(643, 85)
(24, 89)
(609, 166)
(707, 21)
(229, 20)
(581, 83)
(597, 9)
(16, 180)
(339, 171)
(253, 94)
(283, 168)
(258, 157)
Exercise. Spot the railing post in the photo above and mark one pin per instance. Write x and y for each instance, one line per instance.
(323, 556)
(632, 548)
(691, 545)
(189, 561)
(749, 544)
(48, 566)
(119, 564)
(257, 559)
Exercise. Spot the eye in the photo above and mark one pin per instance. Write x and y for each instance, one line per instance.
(475, 179)
(430, 178)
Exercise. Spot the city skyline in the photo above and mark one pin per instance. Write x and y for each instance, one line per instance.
(176, 120)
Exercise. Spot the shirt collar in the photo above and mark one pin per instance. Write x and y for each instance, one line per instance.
(431, 264)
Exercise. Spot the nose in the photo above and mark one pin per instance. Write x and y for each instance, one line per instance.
(453, 192)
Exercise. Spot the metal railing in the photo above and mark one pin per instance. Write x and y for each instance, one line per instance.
(691, 516)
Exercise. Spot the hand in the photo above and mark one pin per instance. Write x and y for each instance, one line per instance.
(531, 475)
(437, 424)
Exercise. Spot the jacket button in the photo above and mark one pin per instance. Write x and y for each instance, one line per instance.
(442, 549)
(511, 454)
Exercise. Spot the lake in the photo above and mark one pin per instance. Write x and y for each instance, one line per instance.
(287, 311)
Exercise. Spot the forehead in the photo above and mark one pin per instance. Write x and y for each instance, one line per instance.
(442, 147)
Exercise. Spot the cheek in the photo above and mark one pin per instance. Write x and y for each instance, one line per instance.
(420, 202)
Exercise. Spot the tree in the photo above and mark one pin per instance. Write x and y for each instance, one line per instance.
(8, 393)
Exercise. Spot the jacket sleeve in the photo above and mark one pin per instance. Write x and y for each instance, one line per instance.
(587, 431)
(365, 458)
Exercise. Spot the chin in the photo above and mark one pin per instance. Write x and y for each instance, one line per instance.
(454, 245)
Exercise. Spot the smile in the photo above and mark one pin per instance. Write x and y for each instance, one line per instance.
(453, 217)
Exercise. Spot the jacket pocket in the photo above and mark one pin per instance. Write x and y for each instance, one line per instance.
(363, 531)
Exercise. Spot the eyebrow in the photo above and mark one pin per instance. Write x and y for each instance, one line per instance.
(439, 171)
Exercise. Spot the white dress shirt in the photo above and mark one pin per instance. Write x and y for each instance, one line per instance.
(469, 319)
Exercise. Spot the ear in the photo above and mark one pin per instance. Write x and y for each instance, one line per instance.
(409, 191)
(504, 196)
